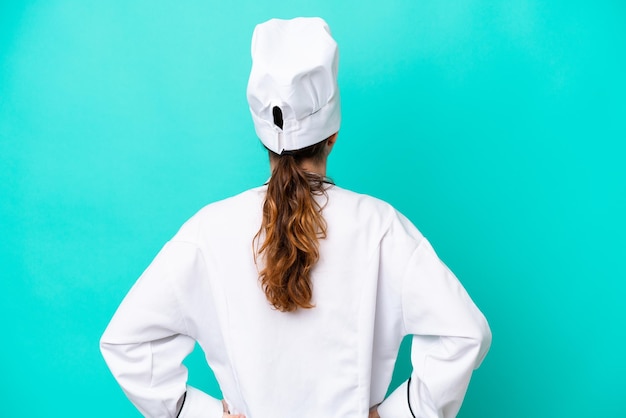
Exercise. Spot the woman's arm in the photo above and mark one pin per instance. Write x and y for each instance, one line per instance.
(450, 339)
(147, 340)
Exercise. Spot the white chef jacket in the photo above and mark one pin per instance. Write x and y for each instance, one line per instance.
(377, 280)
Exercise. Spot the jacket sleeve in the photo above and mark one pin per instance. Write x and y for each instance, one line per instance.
(450, 339)
(147, 340)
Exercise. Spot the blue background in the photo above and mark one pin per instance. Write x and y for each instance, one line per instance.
(498, 127)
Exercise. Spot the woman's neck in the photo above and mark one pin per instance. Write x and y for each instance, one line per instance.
(317, 167)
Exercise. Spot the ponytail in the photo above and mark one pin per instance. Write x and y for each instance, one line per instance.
(291, 227)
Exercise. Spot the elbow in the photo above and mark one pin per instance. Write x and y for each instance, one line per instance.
(104, 343)
(483, 341)
(105, 351)
(109, 350)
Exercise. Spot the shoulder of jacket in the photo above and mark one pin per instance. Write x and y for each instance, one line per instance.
(223, 212)
(364, 200)
(376, 213)
(390, 219)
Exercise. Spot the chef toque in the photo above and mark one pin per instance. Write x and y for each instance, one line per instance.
(292, 89)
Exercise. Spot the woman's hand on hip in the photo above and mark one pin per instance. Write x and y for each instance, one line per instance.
(374, 412)
(227, 413)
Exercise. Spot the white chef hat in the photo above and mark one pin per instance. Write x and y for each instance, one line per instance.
(294, 69)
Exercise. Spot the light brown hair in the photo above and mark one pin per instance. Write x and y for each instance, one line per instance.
(291, 228)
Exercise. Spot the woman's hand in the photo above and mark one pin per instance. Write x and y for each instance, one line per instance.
(227, 413)
(374, 412)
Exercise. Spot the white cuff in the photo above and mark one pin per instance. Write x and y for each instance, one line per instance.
(200, 405)
(396, 405)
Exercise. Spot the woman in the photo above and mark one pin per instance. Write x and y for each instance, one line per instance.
(299, 292)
